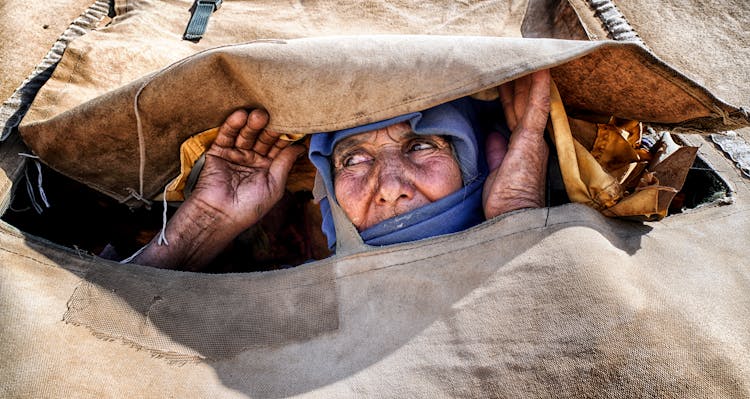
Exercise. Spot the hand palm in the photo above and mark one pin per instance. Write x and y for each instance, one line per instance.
(246, 168)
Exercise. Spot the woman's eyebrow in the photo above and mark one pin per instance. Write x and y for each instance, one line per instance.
(347, 144)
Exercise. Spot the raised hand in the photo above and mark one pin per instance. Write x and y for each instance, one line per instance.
(518, 168)
(244, 176)
(246, 169)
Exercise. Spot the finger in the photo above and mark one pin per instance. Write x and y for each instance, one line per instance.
(256, 122)
(537, 110)
(231, 154)
(277, 147)
(229, 130)
(521, 95)
(506, 98)
(266, 140)
(282, 164)
(496, 147)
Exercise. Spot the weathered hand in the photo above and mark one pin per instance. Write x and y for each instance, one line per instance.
(246, 169)
(244, 176)
(518, 168)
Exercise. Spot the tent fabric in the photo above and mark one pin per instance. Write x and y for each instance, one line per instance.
(123, 152)
(25, 28)
(553, 302)
(26, 33)
(711, 59)
(706, 41)
(109, 94)
(21, 46)
(510, 308)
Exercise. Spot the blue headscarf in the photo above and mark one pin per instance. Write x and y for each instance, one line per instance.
(457, 120)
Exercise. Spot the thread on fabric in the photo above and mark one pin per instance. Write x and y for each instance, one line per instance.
(133, 256)
(139, 130)
(141, 139)
(30, 192)
(162, 240)
(139, 123)
(132, 193)
(39, 183)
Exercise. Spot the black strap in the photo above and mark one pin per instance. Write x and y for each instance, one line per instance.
(202, 10)
(112, 11)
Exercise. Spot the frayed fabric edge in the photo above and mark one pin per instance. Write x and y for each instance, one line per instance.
(174, 358)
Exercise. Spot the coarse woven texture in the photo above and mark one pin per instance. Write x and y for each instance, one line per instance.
(27, 31)
(708, 41)
(169, 314)
(302, 83)
(557, 302)
(26, 52)
(510, 308)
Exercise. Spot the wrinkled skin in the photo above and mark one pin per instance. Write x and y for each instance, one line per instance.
(390, 171)
(244, 176)
(518, 168)
(378, 175)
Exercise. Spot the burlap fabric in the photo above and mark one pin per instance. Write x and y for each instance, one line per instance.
(32, 40)
(558, 302)
(27, 34)
(124, 140)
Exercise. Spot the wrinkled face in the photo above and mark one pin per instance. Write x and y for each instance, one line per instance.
(390, 171)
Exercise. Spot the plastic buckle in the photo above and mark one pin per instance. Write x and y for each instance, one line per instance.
(199, 19)
(215, 3)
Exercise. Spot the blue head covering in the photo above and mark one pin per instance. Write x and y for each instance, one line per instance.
(456, 120)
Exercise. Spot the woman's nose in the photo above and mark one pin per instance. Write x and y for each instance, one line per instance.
(393, 184)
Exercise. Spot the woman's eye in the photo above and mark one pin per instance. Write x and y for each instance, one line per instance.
(421, 146)
(355, 159)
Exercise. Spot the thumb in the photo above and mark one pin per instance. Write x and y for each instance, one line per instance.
(282, 164)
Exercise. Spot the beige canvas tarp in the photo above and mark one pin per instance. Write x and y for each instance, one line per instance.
(554, 302)
(124, 140)
(559, 302)
(25, 28)
(325, 84)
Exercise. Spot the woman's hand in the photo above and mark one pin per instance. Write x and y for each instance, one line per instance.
(246, 169)
(518, 168)
(244, 176)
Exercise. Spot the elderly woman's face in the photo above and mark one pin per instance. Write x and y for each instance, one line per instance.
(390, 171)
